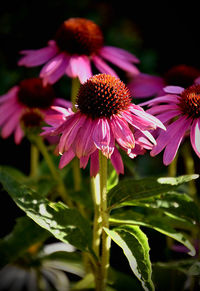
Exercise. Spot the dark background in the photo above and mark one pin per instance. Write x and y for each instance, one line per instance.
(160, 34)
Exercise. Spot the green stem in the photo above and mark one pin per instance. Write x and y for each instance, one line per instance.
(74, 92)
(55, 173)
(172, 168)
(105, 239)
(97, 227)
(34, 157)
(189, 167)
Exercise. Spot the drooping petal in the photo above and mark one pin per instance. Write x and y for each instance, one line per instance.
(144, 85)
(66, 158)
(84, 144)
(195, 136)
(11, 94)
(117, 162)
(10, 125)
(55, 68)
(110, 51)
(103, 67)
(122, 132)
(94, 163)
(19, 134)
(166, 136)
(173, 89)
(153, 121)
(62, 102)
(162, 108)
(121, 62)
(136, 121)
(173, 144)
(37, 57)
(168, 98)
(84, 161)
(79, 66)
(101, 137)
(167, 116)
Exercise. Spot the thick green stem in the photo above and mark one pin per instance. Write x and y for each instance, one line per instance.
(55, 173)
(34, 157)
(172, 168)
(189, 167)
(105, 239)
(74, 92)
(97, 227)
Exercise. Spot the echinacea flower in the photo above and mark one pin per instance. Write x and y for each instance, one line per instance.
(26, 105)
(78, 44)
(145, 85)
(179, 110)
(105, 120)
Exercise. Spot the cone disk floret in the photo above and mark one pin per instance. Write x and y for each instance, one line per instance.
(102, 96)
(190, 101)
(79, 36)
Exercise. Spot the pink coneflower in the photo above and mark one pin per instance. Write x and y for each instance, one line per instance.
(26, 105)
(179, 110)
(145, 85)
(77, 45)
(105, 120)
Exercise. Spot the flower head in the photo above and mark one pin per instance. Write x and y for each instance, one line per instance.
(25, 106)
(77, 44)
(105, 120)
(144, 85)
(179, 110)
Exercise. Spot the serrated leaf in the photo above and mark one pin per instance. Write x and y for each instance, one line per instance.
(131, 189)
(66, 224)
(135, 246)
(25, 234)
(154, 221)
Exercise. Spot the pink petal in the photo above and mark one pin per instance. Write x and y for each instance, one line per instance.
(103, 67)
(153, 121)
(195, 136)
(136, 121)
(62, 102)
(10, 125)
(162, 108)
(11, 94)
(122, 132)
(71, 129)
(101, 137)
(108, 52)
(166, 136)
(84, 161)
(169, 98)
(144, 85)
(37, 57)
(66, 158)
(55, 68)
(19, 134)
(167, 116)
(117, 162)
(173, 89)
(84, 144)
(94, 163)
(79, 66)
(173, 144)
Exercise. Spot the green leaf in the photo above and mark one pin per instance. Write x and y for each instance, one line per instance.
(130, 189)
(25, 234)
(136, 249)
(154, 221)
(177, 204)
(64, 223)
(188, 267)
